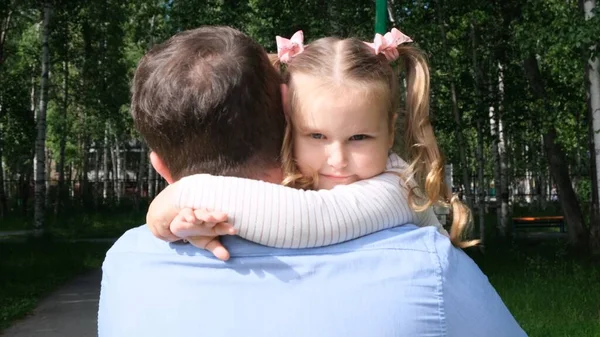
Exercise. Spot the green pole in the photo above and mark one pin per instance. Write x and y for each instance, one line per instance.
(380, 16)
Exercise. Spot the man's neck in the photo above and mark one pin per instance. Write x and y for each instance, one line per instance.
(273, 175)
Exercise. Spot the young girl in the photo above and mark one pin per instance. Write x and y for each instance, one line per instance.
(341, 99)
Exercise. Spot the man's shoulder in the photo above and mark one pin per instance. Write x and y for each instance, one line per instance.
(139, 240)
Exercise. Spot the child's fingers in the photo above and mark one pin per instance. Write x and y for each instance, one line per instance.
(212, 244)
(219, 251)
(186, 229)
(164, 233)
(224, 228)
(188, 215)
(210, 216)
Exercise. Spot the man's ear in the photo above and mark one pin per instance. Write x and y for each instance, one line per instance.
(284, 99)
(393, 130)
(160, 167)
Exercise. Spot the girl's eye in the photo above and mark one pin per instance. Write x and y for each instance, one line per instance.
(317, 136)
(359, 137)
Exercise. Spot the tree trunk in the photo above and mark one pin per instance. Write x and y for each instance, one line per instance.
(479, 105)
(593, 93)
(457, 118)
(3, 205)
(24, 183)
(140, 175)
(105, 165)
(116, 168)
(502, 189)
(566, 194)
(40, 143)
(558, 165)
(480, 182)
(83, 174)
(151, 180)
(48, 178)
(594, 209)
(495, 155)
(5, 25)
(63, 134)
(96, 190)
(123, 170)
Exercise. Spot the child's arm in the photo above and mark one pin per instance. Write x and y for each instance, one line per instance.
(161, 212)
(279, 216)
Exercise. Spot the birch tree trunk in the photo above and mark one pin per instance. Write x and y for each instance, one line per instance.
(498, 150)
(151, 180)
(105, 171)
(84, 181)
(96, 173)
(3, 205)
(63, 134)
(140, 175)
(479, 153)
(48, 176)
(495, 154)
(503, 188)
(480, 182)
(593, 86)
(123, 170)
(4, 26)
(116, 168)
(40, 142)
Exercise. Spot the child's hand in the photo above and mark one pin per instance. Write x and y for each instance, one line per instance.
(202, 228)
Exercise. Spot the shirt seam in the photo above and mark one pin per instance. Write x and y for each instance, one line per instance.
(435, 257)
(296, 254)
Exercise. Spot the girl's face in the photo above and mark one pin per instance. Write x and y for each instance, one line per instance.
(341, 135)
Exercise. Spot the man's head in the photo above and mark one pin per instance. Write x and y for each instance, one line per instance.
(208, 101)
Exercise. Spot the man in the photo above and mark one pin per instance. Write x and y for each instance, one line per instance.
(208, 101)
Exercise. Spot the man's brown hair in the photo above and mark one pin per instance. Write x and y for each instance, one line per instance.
(208, 101)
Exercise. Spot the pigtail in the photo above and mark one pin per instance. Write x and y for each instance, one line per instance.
(426, 162)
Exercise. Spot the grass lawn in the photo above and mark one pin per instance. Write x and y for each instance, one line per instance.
(550, 292)
(30, 270)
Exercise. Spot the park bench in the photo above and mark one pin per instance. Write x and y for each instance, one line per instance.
(539, 222)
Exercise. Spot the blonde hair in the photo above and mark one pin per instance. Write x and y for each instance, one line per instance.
(351, 62)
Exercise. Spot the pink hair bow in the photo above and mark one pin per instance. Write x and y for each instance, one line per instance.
(286, 49)
(388, 43)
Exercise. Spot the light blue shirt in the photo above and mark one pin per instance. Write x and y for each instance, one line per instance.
(405, 281)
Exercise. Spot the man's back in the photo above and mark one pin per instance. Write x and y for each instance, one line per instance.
(399, 282)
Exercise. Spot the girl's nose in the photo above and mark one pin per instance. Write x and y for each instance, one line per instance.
(337, 157)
